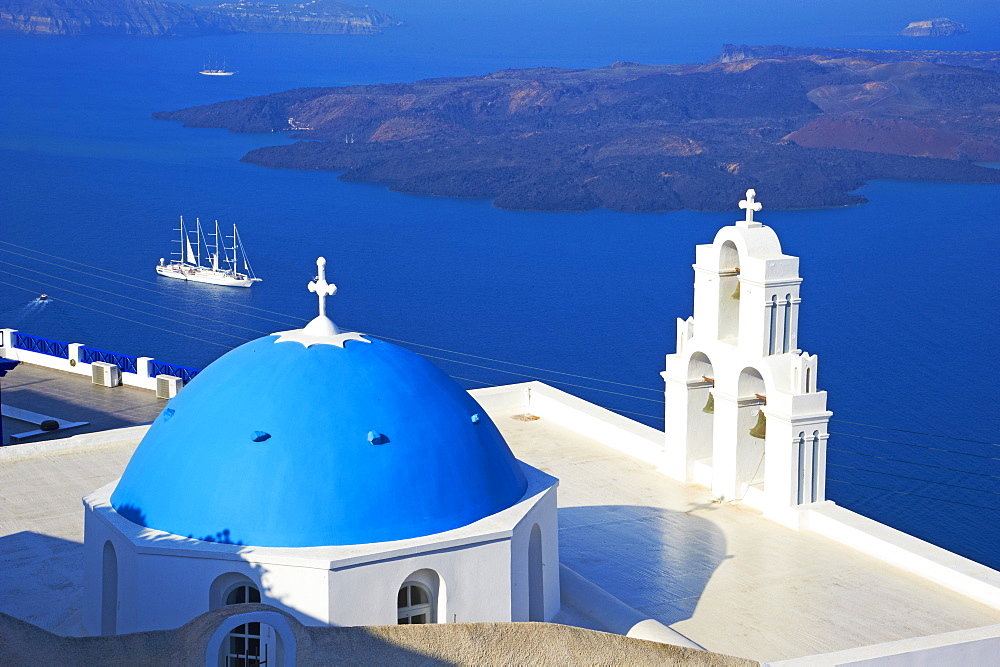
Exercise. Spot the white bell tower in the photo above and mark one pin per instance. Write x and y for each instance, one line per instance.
(743, 415)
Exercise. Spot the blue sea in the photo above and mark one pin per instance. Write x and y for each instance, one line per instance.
(899, 299)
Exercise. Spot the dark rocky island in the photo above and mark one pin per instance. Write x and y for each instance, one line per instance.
(989, 60)
(805, 129)
(156, 18)
(941, 27)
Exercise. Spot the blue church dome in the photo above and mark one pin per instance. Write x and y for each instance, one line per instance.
(293, 440)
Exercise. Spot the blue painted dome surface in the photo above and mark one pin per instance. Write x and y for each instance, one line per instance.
(282, 445)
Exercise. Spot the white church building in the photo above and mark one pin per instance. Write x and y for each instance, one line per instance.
(339, 478)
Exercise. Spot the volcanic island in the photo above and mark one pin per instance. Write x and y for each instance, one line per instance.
(812, 127)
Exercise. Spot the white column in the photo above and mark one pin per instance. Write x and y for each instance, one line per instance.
(793, 336)
(781, 459)
(75, 365)
(675, 450)
(724, 446)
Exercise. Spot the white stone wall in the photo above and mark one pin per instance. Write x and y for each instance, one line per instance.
(478, 573)
(141, 379)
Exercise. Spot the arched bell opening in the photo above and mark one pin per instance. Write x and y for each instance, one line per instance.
(701, 409)
(729, 293)
(751, 432)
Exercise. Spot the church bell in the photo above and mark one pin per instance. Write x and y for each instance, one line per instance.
(710, 405)
(760, 428)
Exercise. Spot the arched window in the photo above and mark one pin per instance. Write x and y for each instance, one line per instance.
(243, 593)
(250, 644)
(808, 380)
(414, 604)
(252, 639)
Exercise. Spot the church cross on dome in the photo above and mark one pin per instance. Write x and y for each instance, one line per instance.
(750, 205)
(321, 330)
(322, 288)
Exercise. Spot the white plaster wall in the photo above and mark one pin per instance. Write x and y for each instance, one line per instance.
(95, 533)
(166, 590)
(475, 578)
(926, 560)
(166, 580)
(625, 435)
(545, 515)
(142, 380)
(507, 397)
(976, 646)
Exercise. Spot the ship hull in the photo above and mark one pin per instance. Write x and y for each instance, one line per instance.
(203, 275)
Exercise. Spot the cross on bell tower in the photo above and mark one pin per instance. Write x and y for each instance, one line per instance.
(750, 205)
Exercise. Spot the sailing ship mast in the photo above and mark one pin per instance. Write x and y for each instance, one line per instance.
(189, 266)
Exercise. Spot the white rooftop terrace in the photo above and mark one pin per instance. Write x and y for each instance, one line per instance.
(720, 574)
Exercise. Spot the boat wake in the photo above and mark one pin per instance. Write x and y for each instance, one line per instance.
(25, 311)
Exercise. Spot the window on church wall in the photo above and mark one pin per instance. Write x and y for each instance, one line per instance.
(250, 645)
(808, 380)
(414, 605)
(246, 645)
(243, 594)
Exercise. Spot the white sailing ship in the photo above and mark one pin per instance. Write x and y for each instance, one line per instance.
(216, 70)
(209, 266)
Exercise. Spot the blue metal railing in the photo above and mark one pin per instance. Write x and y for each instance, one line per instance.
(127, 364)
(183, 372)
(89, 355)
(41, 345)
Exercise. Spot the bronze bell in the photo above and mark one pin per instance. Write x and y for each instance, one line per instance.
(710, 405)
(760, 428)
(736, 294)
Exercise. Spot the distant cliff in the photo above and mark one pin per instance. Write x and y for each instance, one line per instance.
(989, 60)
(809, 130)
(934, 28)
(156, 18)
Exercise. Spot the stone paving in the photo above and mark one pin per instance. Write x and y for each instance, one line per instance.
(73, 398)
(720, 574)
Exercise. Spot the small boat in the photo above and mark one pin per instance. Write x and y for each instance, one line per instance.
(199, 261)
(43, 297)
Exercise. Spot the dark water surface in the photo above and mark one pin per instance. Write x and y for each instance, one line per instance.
(896, 299)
